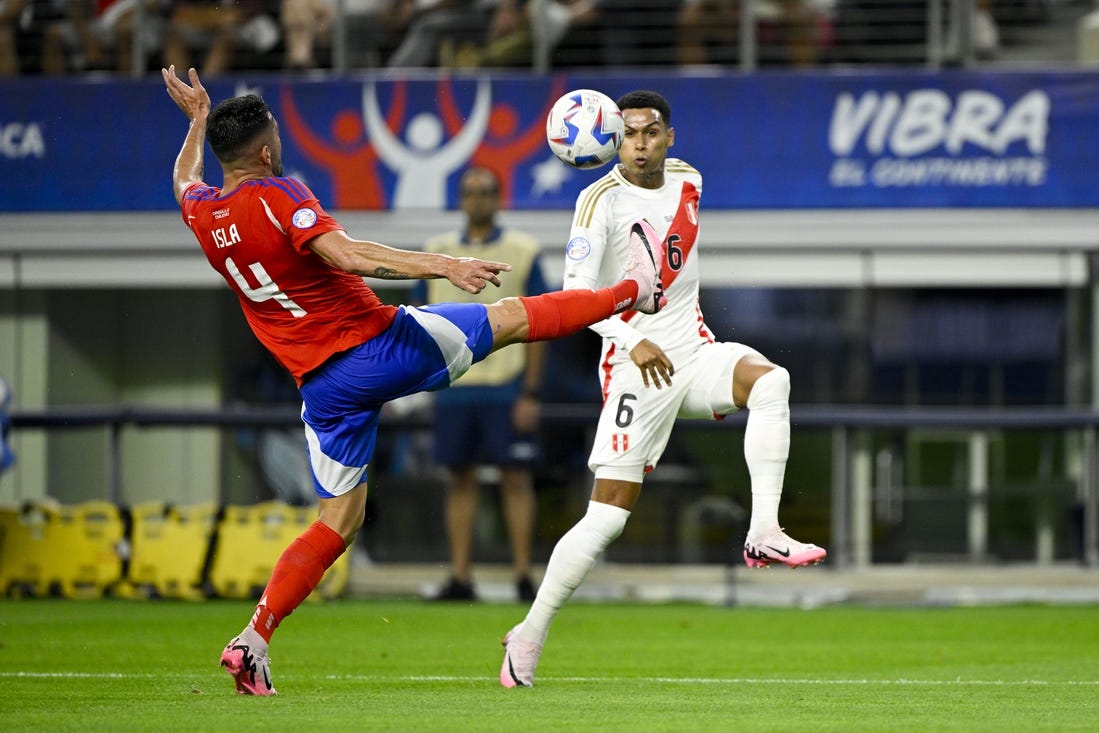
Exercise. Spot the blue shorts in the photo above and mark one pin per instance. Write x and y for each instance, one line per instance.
(473, 426)
(423, 349)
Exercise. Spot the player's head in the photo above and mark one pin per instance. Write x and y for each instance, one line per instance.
(649, 134)
(242, 131)
(645, 99)
(479, 190)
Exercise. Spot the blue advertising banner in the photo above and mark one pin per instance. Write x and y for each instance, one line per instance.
(764, 141)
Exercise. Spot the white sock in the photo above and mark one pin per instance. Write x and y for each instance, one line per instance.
(573, 557)
(254, 641)
(767, 446)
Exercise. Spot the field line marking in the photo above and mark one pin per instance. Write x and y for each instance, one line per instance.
(753, 680)
(9, 674)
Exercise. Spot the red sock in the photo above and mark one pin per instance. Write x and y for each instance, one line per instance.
(564, 312)
(296, 574)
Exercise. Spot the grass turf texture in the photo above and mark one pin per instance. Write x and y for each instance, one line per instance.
(415, 666)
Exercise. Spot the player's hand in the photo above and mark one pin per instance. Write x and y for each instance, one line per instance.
(654, 364)
(526, 412)
(192, 99)
(472, 275)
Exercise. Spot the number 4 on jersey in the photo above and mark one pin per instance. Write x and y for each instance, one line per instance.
(267, 289)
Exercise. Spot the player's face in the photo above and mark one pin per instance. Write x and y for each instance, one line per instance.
(480, 198)
(645, 144)
(275, 144)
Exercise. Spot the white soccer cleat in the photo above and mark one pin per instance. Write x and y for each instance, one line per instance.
(520, 660)
(643, 267)
(777, 546)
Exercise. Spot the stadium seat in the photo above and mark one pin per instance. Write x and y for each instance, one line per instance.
(169, 546)
(248, 543)
(86, 549)
(75, 550)
(24, 542)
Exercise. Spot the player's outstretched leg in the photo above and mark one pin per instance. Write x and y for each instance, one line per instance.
(520, 660)
(564, 312)
(643, 266)
(245, 659)
(777, 546)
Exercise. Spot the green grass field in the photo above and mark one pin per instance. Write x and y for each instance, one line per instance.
(415, 666)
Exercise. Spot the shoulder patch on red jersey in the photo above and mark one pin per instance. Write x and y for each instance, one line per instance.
(304, 218)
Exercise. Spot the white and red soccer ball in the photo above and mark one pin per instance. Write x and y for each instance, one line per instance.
(585, 128)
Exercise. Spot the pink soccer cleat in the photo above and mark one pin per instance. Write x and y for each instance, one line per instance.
(251, 671)
(777, 546)
(520, 660)
(643, 267)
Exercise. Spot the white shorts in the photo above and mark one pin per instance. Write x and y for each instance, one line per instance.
(636, 421)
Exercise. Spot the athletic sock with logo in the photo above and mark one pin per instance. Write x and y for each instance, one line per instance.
(767, 446)
(296, 574)
(564, 312)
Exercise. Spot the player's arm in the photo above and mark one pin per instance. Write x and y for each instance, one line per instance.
(195, 103)
(583, 272)
(589, 244)
(371, 259)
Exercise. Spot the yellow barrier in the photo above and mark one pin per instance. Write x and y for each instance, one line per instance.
(23, 543)
(79, 550)
(75, 550)
(249, 542)
(169, 545)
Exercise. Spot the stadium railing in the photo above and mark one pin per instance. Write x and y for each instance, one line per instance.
(746, 35)
(852, 490)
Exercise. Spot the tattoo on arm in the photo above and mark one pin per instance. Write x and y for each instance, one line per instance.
(388, 273)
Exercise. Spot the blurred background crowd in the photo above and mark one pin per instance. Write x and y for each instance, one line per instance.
(219, 36)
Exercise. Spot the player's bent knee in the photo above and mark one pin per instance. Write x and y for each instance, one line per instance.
(508, 319)
(772, 386)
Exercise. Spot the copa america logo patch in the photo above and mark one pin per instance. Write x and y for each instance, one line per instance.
(304, 218)
(578, 248)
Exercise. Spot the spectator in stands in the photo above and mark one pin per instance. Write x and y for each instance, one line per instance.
(638, 32)
(370, 32)
(32, 24)
(788, 33)
(985, 31)
(428, 25)
(793, 34)
(490, 416)
(10, 12)
(707, 32)
(220, 30)
(110, 42)
(516, 26)
(63, 38)
(306, 25)
(880, 31)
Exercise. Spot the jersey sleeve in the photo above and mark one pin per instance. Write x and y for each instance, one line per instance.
(294, 209)
(192, 195)
(587, 242)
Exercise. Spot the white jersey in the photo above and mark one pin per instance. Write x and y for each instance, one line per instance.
(597, 251)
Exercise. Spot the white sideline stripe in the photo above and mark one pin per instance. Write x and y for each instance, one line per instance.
(589, 680)
(748, 681)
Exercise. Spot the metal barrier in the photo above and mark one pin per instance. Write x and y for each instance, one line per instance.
(746, 34)
(852, 480)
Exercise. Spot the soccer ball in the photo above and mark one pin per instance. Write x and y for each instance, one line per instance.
(585, 128)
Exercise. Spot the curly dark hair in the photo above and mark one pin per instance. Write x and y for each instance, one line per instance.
(235, 123)
(645, 99)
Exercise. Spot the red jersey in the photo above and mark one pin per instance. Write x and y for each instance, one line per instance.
(300, 307)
